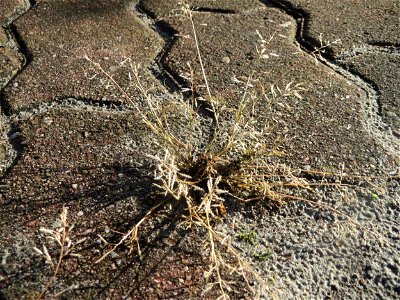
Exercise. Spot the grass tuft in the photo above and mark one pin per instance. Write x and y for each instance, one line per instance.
(233, 163)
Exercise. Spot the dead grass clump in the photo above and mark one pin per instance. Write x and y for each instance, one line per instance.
(232, 163)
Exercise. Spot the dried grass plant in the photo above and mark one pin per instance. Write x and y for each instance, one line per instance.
(233, 164)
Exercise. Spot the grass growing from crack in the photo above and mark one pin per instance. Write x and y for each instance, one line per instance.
(233, 164)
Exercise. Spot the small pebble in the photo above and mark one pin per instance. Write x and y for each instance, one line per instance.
(15, 84)
(226, 60)
(75, 186)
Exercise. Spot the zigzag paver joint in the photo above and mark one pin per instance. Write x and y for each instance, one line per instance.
(108, 32)
(92, 158)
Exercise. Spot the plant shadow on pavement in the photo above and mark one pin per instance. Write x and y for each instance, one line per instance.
(118, 196)
(109, 184)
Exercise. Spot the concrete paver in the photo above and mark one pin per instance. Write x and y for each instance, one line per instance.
(171, 7)
(328, 116)
(382, 69)
(93, 157)
(10, 59)
(355, 23)
(108, 32)
(10, 62)
(10, 9)
(365, 29)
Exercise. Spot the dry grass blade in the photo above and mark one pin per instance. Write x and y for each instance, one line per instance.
(132, 235)
(62, 236)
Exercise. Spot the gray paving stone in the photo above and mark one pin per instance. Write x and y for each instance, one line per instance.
(383, 70)
(355, 23)
(10, 62)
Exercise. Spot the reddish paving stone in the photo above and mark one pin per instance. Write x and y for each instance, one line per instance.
(60, 33)
(92, 161)
(355, 23)
(383, 70)
(64, 148)
(321, 128)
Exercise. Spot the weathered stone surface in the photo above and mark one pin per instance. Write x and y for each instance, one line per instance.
(10, 62)
(3, 37)
(173, 7)
(10, 59)
(91, 160)
(108, 32)
(324, 126)
(63, 146)
(11, 8)
(383, 70)
(355, 23)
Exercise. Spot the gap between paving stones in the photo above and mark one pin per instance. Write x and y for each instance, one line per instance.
(374, 126)
(308, 45)
(372, 109)
(88, 104)
(373, 121)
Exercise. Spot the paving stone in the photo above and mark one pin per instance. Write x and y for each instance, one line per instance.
(3, 37)
(171, 7)
(11, 8)
(10, 62)
(10, 59)
(321, 127)
(108, 32)
(63, 147)
(91, 160)
(383, 70)
(355, 23)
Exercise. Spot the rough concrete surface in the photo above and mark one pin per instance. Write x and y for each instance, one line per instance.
(100, 30)
(70, 136)
(354, 23)
(381, 69)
